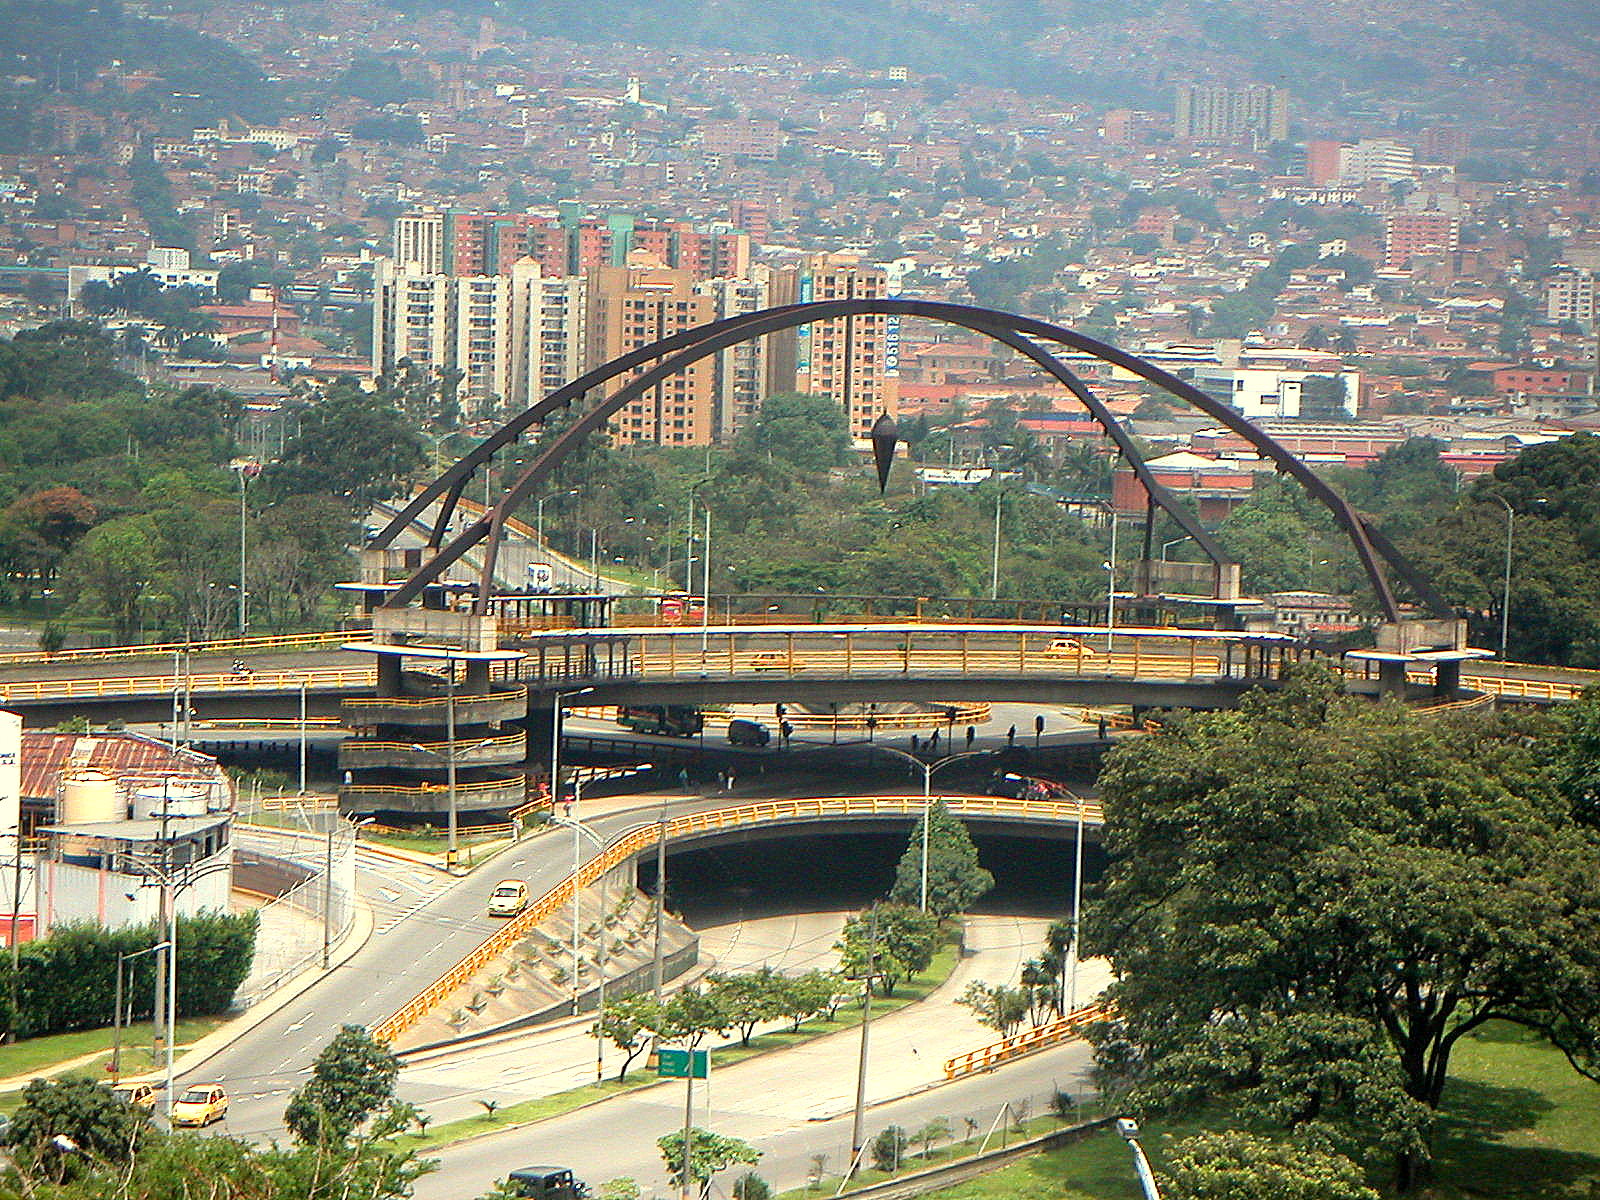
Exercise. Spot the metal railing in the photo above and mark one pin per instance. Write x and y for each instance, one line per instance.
(165, 685)
(641, 837)
(248, 645)
(1029, 1041)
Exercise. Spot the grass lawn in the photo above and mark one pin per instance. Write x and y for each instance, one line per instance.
(1518, 1124)
(35, 1054)
(944, 962)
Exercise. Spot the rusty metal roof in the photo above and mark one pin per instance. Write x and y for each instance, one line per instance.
(46, 756)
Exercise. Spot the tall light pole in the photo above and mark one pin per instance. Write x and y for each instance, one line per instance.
(248, 468)
(1111, 581)
(1505, 591)
(555, 740)
(1165, 546)
(538, 532)
(927, 768)
(579, 828)
(1077, 907)
(994, 566)
(451, 757)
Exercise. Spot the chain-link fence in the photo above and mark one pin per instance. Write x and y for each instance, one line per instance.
(311, 877)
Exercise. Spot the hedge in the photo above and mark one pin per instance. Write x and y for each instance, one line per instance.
(68, 980)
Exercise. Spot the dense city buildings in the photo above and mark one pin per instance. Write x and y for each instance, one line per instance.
(473, 201)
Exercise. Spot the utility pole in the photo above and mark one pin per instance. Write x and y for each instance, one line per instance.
(661, 902)
(857, 1137)
(327, 898)
(302, 737)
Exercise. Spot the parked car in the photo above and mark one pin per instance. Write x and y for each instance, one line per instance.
(547, 1183)
(748, 733)
(510, 897)
(199, 1106)
(139, 1095)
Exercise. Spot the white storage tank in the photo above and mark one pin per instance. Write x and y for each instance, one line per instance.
(87, 797)
(176, 798)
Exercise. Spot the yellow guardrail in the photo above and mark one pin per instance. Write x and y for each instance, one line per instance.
(144, 685)
(1029, 1041)
(964, 659)
(242, 646)
(502, 691)
(1526, 689)
(482, 787)
(641, 837)
(513, 741)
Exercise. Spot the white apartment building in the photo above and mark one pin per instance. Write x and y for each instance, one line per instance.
(741, 377)
(1269, 391)
(1376, 160)
(1570, 297)
(513, 337)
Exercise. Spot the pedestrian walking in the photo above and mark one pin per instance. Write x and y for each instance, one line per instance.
(933, 743)
(683, 778)
(1011, 736)
(729, 782)
(914, 745)
(971, 733)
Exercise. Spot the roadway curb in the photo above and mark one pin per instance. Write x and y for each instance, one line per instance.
(220, 1039)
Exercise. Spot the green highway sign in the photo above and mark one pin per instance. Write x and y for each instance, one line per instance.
(674, 1064)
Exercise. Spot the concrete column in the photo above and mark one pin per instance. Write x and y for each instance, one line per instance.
(1447, 680)
(1391, 680)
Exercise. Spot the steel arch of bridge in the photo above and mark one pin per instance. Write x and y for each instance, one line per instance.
(1023, 334)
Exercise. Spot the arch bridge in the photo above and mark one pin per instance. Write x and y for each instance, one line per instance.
(418, 610)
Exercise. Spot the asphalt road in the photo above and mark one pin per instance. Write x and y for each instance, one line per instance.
(769, 1102)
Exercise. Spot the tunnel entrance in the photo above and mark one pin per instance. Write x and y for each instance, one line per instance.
(830, 872)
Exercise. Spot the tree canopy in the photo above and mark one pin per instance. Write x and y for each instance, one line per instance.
(1311, 900)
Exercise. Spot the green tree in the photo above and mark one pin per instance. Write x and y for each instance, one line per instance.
(956, 879)
(353, 446)
(352, 1078)
(97, 1122)
(629, 1024)
(1577, 757)
(748, 999)
(1234, 1165)
(692, 1013)
(807, 995)
(1311, 900)
(109, 570)
(806, 432)
(888, 943)
(888, 1149)
(708, 1153)
(997, 1006)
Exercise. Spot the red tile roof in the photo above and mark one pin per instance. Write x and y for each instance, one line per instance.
(46, 755)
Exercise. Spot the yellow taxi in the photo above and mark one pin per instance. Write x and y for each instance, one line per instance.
(199, 1106)
(510, 897)
(1064, 647)
(138, 1095)
(775, 660)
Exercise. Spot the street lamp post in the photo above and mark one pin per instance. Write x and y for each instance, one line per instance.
(171, 885)
(1129, 1129)
(1111, 582)
(927, 767)
(555, 741)
(994, 566)
(1505, 591)
(247, 468)
(116, 1016)
(1165, 546)
(579, 828)
(538, 532)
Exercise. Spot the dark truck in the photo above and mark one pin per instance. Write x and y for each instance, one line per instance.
(547, 1183)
